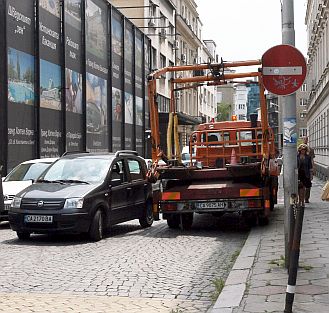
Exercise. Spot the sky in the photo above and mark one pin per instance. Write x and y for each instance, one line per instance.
(246, 29)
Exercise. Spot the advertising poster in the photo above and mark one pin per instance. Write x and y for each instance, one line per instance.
(96, 76)
(21, 89)
(147, 60)
(289, 131)
(139, 126)
(73, 76)
(50, 78)
(117, 80)
(147, 66)
(129, 99)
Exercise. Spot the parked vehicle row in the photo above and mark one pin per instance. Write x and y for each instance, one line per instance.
(84, 193)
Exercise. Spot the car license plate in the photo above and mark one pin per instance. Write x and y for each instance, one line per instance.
(38, 219)
(210, 205)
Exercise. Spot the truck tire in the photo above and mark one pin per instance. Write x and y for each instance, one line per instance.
(186, 221)
(23, 235)
(263, 220)
(251, 220)
(147, 219)
(173, 221)
(96, 229)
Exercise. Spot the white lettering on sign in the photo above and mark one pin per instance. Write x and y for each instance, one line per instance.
(283, 70)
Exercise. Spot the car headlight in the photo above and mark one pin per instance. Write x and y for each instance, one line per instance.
(73, 203)
(16, 204)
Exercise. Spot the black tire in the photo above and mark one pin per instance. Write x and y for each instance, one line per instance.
(186, 221)
(173, 221)
(96, 229)
(23, 235)
(147, 219)
(263, 220)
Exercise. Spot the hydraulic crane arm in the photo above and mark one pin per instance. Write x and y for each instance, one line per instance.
(217, 76)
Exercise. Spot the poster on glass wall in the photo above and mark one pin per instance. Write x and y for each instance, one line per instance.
(21, 89)
(50, 78)
(129, 99)
(96, 76)
(73, 76)
(117, 70)
(139, 126)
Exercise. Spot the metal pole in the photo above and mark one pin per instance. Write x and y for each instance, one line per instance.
(290, 134)
(294, 260)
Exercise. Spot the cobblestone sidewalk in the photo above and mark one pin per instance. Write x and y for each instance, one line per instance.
(259, 276)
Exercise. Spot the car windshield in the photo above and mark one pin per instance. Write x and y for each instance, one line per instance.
(91, 170)
(27, 171)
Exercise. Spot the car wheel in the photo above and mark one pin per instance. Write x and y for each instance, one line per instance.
(147, 219)
(97, 227)
(173, 221)
(186, 221)
(22, 235)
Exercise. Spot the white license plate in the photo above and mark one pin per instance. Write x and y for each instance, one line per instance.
(210, 205)
(38, 219)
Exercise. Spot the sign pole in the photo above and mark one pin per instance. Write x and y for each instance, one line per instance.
(290, 133)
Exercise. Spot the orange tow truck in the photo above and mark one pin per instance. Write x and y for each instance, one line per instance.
(234, 168)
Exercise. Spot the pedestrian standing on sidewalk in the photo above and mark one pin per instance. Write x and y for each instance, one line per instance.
(304, 165)
(312, 155)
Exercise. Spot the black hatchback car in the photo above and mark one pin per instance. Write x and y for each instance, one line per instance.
(85, 193)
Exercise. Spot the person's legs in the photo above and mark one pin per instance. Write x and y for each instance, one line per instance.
(307, 195)
(301, 194)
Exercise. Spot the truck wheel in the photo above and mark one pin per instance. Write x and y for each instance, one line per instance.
(22, 235)
(263, 220)
(173, 221)
(186, 221)
(147, 219)
(251, 220)
(96, 228)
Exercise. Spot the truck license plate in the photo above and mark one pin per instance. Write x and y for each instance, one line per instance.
(210, 205)
(7, 206)
(38, 219)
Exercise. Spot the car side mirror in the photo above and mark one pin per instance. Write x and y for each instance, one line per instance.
(115, 182)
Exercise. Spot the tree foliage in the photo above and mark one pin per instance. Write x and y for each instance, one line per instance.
(223, 111)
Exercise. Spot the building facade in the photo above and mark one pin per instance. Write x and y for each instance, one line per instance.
(240, 102)
(252, 99)
(316, 20)
(66, 85)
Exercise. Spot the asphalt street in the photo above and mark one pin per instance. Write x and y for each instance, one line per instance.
(132, 269)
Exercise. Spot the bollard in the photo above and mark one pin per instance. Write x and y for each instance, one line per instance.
(294, 259)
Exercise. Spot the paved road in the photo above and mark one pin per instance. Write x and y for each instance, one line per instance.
(132, 270)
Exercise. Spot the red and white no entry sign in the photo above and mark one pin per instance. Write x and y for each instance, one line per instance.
(284, 69)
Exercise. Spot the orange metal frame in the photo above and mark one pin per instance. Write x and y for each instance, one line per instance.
(215, 79)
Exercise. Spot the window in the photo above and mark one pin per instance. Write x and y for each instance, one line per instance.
(246, 135)
(154, 59)
(303, 115)
(302, 132)
(302, 102)
(162, 61)
(135, 170)
(118, 173)
(304, 87)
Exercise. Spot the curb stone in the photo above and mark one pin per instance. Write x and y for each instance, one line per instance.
(236, 283)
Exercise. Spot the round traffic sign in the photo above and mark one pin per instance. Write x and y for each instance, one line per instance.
(283, 69)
